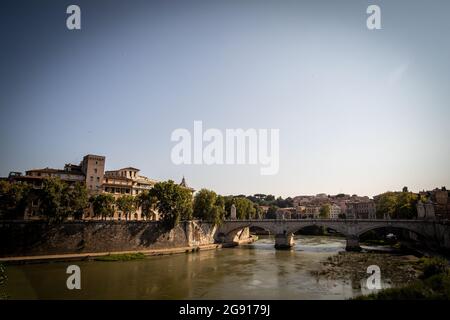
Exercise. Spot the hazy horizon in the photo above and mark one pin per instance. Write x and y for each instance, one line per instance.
(359, 111)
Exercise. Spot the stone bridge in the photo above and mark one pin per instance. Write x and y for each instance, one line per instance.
(434, 232)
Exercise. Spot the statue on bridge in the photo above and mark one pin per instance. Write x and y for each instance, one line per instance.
(233, 212)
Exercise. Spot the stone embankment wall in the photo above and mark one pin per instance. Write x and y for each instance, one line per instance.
(27, 238)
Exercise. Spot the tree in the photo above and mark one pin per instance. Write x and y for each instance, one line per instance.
(13, 199)
(397, 205)
(244, 208)
(258, 211)
(325, 210)
(147, 202)
(126, 204)
(272, 212)
(78, 200)
(103, 205)
(386, 204)
(173, 202)
(54, 199)
(58, 200)
(209, 206)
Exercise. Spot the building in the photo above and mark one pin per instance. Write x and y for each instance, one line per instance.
(91, 172)
(335, 211)
(312, 211)
(286, 213)
(440, 200)
(361, 210)
(93, 168)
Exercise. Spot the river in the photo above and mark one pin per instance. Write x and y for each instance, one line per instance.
(254, 271)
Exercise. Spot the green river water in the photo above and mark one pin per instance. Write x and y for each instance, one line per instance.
(254, 271)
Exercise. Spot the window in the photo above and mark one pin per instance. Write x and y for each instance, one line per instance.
(95, 170)
(92, 178)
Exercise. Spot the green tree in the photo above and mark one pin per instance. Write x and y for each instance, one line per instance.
(386, 204)
(325, 210)
(147, 202)
(173, 202)
(272, 212)
(54, 200)
(126, 204)
(78, 200)
(58, 200)
(244, 208)
(103, 205)
(258, 211)
(209, 206)
(13, 199)
(397, 205)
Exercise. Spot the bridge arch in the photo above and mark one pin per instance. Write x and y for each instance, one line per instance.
(414, 230)
(417, 233)
(232, 234)
(338, 228)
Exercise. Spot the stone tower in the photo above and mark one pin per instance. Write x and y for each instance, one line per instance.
(93, 167)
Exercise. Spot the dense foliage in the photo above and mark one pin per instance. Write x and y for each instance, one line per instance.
(209, 206)
(173, 202)
(14, 198)
(397, 205)
(103, 205)
(58, 200)
(325, 210)
(270, 200)
(147, 202)
(127, 205)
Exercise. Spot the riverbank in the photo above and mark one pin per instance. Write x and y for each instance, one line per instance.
(433, 284)
(352, 266)
(93, 255)
(105, 255)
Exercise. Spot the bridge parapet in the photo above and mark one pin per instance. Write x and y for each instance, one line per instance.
(283, 229)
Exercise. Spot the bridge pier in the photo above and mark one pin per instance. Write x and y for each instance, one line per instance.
(352, 243)
(284, 241)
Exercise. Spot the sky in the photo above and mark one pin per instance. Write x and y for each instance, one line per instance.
(359, 111)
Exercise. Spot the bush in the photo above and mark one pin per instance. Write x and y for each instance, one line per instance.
(121, 257)
(433, 266)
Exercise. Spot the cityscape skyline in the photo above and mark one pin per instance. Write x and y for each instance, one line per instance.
(358, 111)
(69, 165)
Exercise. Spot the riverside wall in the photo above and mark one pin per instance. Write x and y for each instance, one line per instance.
(29, 238)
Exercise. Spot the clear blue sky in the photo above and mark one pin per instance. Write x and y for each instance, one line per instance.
(359, 111)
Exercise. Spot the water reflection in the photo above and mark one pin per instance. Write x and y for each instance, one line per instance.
(254, 271)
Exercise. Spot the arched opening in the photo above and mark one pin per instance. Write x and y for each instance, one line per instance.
(393, 238)
(259, 231)
(318, 230)
(244, 234)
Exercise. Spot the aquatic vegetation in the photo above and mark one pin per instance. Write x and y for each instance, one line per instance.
(121, 257)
